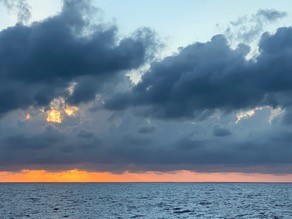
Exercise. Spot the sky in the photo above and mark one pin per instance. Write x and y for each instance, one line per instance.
(125, 91)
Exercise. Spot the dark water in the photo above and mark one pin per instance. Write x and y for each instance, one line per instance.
(146, 200)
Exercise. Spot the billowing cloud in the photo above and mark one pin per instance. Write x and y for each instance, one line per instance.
(205, 77)
(39, 62)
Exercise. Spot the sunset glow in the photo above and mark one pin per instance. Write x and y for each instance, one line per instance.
(71, 110)
(179, 176)
(54, 116)
(27, 116)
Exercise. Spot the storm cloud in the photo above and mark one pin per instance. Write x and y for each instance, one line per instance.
(40, 61)
(205, 77)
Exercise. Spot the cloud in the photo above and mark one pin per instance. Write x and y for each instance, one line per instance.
(271, 15)
(181, 115)
(39, 62)
(287, 117)
(146, 129)
(20, 6)
(247, 28)
(122, 141)
(205, 77)
(91, 147)
(221, 131)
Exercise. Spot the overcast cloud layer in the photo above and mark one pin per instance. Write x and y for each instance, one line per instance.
(206, 108)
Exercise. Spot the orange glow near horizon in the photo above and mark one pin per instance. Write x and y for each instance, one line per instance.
(179, 176)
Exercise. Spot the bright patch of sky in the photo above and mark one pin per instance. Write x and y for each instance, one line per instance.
(177, 24)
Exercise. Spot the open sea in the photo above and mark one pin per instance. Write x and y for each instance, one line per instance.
(146, 200)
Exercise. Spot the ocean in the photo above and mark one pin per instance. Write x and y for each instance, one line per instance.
(145, 200)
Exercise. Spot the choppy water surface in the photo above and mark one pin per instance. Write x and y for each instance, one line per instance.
(146, 200)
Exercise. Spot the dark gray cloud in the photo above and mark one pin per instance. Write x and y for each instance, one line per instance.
(53, 148)
(39, 62)
(205, 77)
(146, 129)
(220, 131)
(20, 6)
(287, 117)
(120, 141)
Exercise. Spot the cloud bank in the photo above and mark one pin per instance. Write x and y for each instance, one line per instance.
(206, 108)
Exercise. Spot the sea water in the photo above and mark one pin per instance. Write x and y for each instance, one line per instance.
(146, 200)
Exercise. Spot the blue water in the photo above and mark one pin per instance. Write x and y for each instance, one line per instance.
(146, 200)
